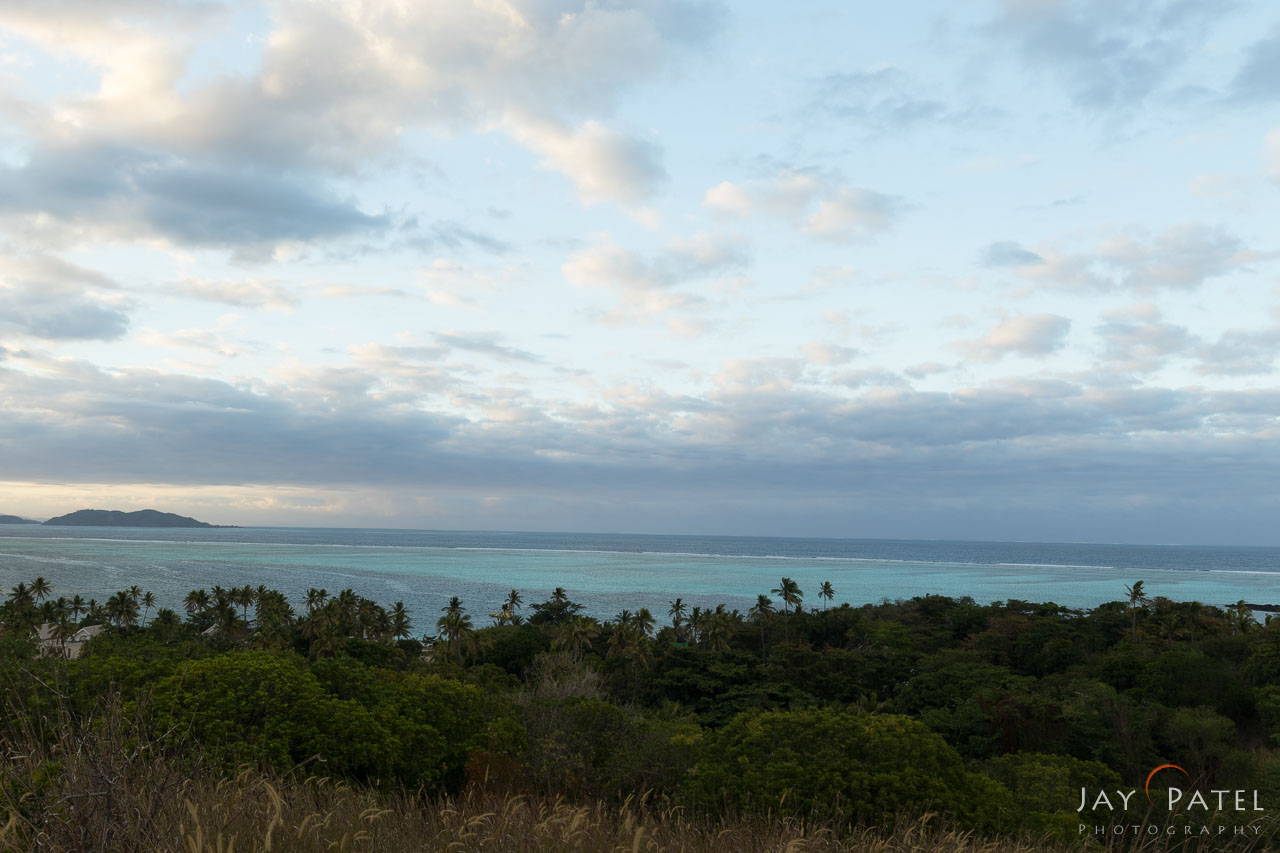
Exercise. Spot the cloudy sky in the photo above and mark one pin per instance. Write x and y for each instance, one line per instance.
(1004, 270)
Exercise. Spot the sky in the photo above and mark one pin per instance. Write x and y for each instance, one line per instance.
(995, 270)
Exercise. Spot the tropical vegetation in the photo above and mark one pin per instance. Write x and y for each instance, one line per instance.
(937, 716)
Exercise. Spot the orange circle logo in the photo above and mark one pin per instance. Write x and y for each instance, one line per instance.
(1147, 786)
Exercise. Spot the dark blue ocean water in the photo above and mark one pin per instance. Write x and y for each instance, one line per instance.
(609, 572)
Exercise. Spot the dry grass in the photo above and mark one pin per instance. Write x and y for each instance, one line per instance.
(255, 812)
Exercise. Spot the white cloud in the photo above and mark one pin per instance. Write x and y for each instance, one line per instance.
(728, 198)
(829, 354)
(338, 83)
(851, 212)
(47, 298)
(1137, 340)
(1180, 257)
(208, 340)
(823, 206)
(249, 293)
(699, 257)
(1031, 336)
(602, 163)
(759, 375)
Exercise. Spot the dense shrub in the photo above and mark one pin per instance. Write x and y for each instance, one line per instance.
(587, 747)
(825, 762)
(1046, 788)
(351, 719)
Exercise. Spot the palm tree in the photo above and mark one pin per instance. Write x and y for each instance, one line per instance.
(316, 599)
(697, 619)
(166, 623)
(455, 627)
(20, 596)
(1240, 617)
(77, 606)
(63, 629)
(148, 602)
(514, 600)
(367, 618)
(676, 612)
(826, 593)
(579, 632)
(122, 609)
(244, 596)
(716, 628)
(760, 614)
(623, 635)
(40, 588)
(322, 630)
(400, 622)
(1137, 596)
(791, 594)
(197, 601)
(644, 621)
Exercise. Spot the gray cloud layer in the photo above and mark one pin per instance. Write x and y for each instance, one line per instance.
(1046, 440)
(123, 192)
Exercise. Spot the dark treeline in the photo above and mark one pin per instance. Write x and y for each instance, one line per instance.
(994, 716)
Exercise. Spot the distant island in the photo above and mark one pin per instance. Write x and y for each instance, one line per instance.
(14, 519)
(116, 518)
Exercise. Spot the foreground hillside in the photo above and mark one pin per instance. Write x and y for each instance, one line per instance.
(922, 724)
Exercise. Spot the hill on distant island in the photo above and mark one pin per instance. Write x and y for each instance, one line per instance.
(116, 518)
(14, 519)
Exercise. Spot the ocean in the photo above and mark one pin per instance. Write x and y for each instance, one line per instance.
(610, 572)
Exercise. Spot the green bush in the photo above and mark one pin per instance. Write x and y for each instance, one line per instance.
(1046, 788)
(352, 720)
(266, 707)
(824, 762)
(585, 747)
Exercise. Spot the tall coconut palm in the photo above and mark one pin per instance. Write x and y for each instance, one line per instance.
(577, 634)
(21, 597)
(455, 627)
(1137, 597)
(716, 629)
(197, 601)
(166, 623)
(1240, 618)
(40, 588)
(676, 611)
(148, 602)
(401, 625)
(791, 594)
(826, 593)
(63, 630)
(514, 600)
(50, 611)
(694, 625)
(243, 597)
(759, 614)
(122, 609)
(644, 621)
(77, 607)
(315, 599)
